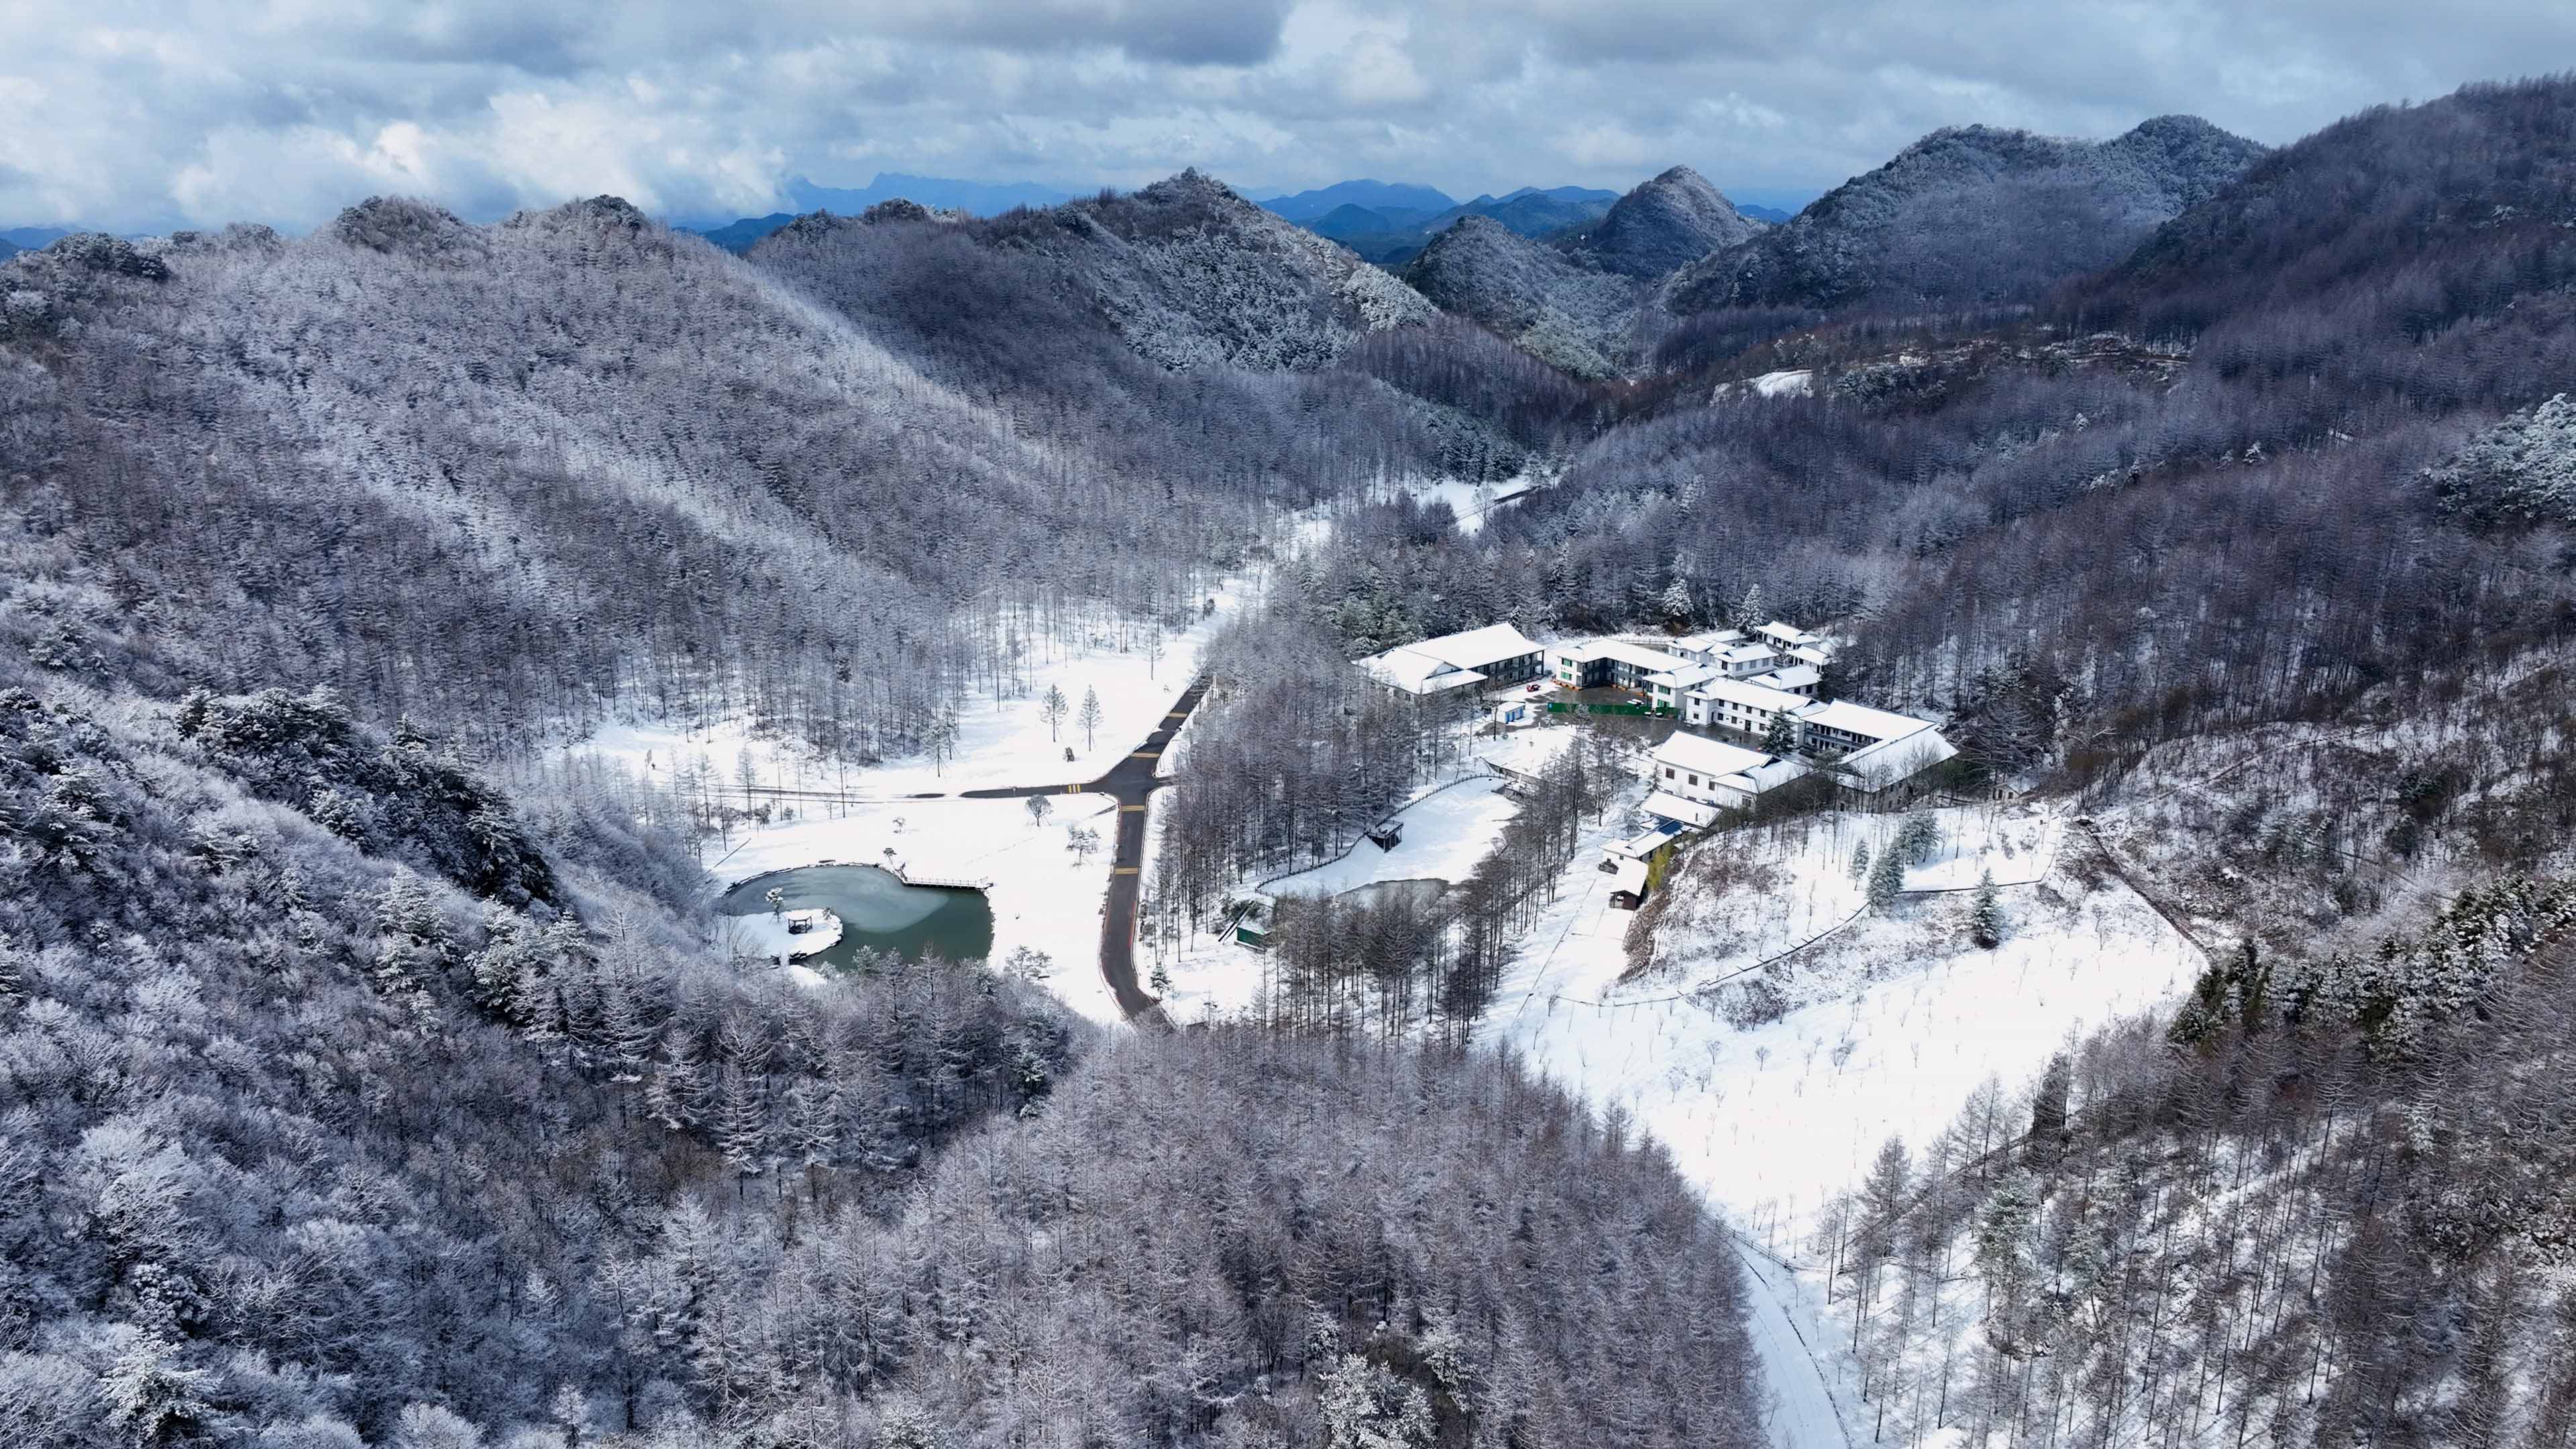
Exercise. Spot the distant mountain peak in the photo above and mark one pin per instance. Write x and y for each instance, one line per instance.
(1662, 226)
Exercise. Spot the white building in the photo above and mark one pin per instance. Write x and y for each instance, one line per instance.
(1610, 663)
(1496, 654)
(1742, 661)
(1878, 749)
(1702, 648)
(1694, 777)
(1742, 706)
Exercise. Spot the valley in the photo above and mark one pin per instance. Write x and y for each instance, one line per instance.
(1044, 818)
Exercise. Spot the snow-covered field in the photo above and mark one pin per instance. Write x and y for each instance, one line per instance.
(1787, 885)
(1472, 501)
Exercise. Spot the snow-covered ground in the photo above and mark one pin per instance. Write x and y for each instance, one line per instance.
(1445, 833)
(1004, 742)
(1472, 501)
(1793, 382)
(773, 937)
(1774, 1118)
(1042, 897)
(1775, 889)
(1448, 827)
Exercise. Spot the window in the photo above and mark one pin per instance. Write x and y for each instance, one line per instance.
(1668, 772)
(1694, 779)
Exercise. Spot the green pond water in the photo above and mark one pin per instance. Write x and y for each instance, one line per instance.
(877, 911)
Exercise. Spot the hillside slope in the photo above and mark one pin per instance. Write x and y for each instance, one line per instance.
(1529, 293)
(1971, 216)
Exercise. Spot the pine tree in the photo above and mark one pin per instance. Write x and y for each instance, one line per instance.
(1779, 737)
(1986, 916)
(1677, 600)
(1090, 716)
(1748, 610)
(1860, 863)
(1052, 707)
(1886, 878)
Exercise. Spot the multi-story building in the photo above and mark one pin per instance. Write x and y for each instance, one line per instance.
(1494, 655)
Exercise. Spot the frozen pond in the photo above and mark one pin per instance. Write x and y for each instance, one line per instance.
(877, 911)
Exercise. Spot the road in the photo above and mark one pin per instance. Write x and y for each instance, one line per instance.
(1129, 782)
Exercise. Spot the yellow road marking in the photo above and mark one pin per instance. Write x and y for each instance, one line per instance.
(1125, 809)
(1146, 755)
(1124, 870)
(1073, 789)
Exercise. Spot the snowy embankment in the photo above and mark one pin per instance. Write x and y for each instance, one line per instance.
(1443, 835)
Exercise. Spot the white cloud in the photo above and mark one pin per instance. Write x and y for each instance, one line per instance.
(150, 113)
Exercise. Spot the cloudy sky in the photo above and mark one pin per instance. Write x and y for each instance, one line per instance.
(143, 115)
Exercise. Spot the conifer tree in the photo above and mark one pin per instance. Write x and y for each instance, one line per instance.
(1090, 716)
(1986, 915)
(1886, 878)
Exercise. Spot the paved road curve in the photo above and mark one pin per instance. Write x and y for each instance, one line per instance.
(1129, 782)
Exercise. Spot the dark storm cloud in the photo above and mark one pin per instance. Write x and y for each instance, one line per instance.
(135, 114)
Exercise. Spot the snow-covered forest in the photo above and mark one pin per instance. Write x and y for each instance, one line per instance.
(371, 1071)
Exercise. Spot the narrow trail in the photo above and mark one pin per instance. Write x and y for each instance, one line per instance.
(1803, 1413)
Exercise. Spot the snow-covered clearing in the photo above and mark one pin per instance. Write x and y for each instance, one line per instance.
(1448, 827)
(1445, 833)
(1754, 894)
(1472, 501)
(1042, 897)
(1004, 742)
(1902, 1020)
(1792, 382)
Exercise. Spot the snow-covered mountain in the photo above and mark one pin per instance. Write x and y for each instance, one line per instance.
(1661, 226)
(1972, 215)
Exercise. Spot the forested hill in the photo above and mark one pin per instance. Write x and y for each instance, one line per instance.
(502, 478)
(1972, 216)
(1577, 300)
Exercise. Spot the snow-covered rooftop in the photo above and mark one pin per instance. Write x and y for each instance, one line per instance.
(1703, 642)
(1752, 696)
(1873, 768)
(1859, 719)
(1666, 805)
(1770, 775)
(1738, 653)
(1793, 678)
(1688, 675)
(1786, 633)
(1705, 756)
(1654, 661)
(1414, 672)
(1477, 648)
